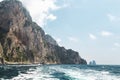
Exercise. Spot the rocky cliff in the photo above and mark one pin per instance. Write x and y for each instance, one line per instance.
(23, 41)
(50, 40)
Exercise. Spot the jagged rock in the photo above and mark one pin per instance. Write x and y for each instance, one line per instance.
(23, 41)
(92, 62)
(50, 40)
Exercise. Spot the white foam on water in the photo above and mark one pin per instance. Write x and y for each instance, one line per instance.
(34, 74)
(80, 74)
(92, 75)
(44, 73)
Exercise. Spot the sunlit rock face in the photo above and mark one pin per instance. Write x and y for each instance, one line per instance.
(24, 42)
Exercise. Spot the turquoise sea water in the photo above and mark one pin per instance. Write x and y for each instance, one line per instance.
(59, 72)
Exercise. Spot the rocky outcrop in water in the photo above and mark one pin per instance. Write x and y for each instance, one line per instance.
(93, 62)
(23, 41)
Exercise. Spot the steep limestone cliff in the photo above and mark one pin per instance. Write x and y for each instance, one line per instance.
(50, 40)
(24, 42)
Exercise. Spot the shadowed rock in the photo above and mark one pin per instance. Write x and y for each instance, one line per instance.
(23, 41)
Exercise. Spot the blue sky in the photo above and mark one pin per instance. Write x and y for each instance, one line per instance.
(91, 27)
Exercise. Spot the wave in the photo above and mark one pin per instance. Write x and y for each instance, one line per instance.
(55, 72)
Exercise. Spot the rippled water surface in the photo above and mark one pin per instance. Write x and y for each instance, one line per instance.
(59, 72)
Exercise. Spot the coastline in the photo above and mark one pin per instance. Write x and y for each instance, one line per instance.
(19, 63)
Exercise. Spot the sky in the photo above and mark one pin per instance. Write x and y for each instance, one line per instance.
(91, 27)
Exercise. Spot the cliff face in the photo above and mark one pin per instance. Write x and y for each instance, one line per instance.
(50, 40)
(22, 40)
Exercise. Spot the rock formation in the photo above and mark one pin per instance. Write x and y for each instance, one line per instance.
(23, 41)
(92, 62)
(50, 40)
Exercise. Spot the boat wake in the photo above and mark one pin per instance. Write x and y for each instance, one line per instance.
(68, 72)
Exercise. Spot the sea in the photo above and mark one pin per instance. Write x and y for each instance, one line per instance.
(59, 72)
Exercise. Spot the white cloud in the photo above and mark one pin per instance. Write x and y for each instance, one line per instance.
(117, 44)
(58, 40)
(73, 39)
(106, 33)
(113, 18)
(93, 37)
(52, 17)
(40, 10)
